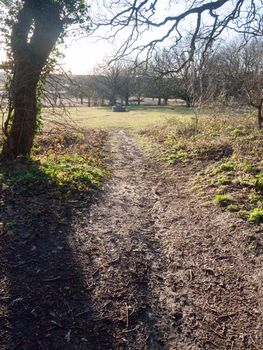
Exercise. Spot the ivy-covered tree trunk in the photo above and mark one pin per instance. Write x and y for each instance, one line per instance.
(33, 37)
(23, 125)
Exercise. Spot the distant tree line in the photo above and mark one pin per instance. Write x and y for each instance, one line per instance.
(230, 74)
(191, 69)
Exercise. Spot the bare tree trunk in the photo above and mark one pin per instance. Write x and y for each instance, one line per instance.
(159, 101)
(260, 117)
(188, 103)
(112, 101)
(30, 56)
(259, 107)
(23, 128)
(56, 99)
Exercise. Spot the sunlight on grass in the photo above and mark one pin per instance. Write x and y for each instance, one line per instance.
(136, 117)
(227, 153)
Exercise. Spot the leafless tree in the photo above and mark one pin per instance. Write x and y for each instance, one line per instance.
(207, 19)
(107, 81)
(159, 85)
(128, 82)
(141, 82)
(243, 69)
(114, 81)
(81, 87)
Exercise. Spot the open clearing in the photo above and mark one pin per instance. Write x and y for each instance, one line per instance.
(136, 117)
(140, 263)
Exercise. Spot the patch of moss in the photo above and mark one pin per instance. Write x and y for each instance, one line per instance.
(233, 207)
(171, 158)
(256, 215)
(223, 180)
(243, 214)
(227, 166)
(66, 173)
(239, 131)
(259, 182)
(248, 168)
(222, 199)
(254, 197)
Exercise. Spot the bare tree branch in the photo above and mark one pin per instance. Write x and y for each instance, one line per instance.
(135, 17)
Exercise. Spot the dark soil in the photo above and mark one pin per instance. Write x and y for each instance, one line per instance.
(143, 265)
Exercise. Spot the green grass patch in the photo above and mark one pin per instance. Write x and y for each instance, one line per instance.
(240, 131)
(259, 182)
(228, 151)
(63, 163)
(227, 166)
(72, 171)
(249, 168)
(180, 140)
(223, 179)
(254, 197)
(39, 193)
(233, 207)
(66, 174)
(222, 199)
(256, 215)
(239, 181)
(136, 117)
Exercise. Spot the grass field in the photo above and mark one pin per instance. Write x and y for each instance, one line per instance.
(136, 117)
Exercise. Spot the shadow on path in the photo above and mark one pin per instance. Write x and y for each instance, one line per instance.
(45, 298)
(120, 232)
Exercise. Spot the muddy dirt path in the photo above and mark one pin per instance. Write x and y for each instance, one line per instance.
(167, 273)
(146, 266)
(122, 239)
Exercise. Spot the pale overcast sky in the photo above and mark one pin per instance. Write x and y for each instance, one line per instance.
(82, 55)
